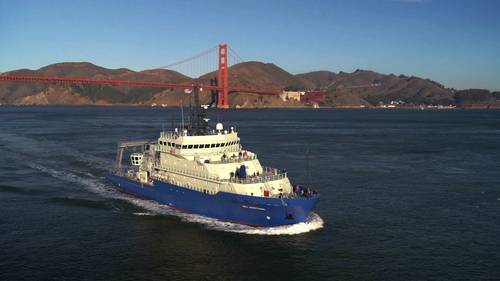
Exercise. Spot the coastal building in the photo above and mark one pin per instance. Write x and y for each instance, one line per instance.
(291, 95)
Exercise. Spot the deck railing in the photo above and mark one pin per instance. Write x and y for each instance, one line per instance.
(269, 174)
(235, 159)
(186, 172)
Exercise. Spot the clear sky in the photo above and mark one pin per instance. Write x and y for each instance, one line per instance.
(455, 42)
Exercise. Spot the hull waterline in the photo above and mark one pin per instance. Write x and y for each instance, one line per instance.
(224, 206)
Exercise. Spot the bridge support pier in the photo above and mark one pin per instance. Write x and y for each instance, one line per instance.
(222, 77)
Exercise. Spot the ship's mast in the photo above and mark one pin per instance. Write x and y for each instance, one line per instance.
(199, 120)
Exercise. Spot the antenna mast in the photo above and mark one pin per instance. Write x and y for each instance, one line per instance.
(182, 113)
(199, 120)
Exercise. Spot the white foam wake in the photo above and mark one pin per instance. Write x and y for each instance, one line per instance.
(91, 184)
(314, 222)
(144, 214)
(94, 185)
(42, 148)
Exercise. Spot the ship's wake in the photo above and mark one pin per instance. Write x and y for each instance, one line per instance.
(97, 185)
(314, 222)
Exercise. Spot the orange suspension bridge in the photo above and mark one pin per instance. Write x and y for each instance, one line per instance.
(219, 85)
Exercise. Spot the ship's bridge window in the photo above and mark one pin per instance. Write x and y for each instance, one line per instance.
(207, 145)
(190, 146)
(195, 146)
(212, 145)
(184, 146)
(161, 143)
(217, 145)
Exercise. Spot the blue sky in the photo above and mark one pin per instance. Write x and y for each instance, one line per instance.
(455, 42)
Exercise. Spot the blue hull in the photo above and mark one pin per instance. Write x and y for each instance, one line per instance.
(242, 209)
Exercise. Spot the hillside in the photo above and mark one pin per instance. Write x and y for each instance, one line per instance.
(476, 98)
(318, 79)
(375, 88)
(255, 74)
(359, 88)
(258, 75)
(36, 93)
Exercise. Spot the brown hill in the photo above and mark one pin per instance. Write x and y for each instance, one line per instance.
(369, 88)
(260, 75)
(35, 93)
(361, 87)
(477, 98)
(318, 79)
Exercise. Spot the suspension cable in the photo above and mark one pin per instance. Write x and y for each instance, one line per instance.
(236, 54)
(189, 59)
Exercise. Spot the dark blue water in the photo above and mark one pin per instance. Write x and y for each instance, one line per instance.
(406, 195)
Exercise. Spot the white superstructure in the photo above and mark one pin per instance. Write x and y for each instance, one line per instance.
(212, 162)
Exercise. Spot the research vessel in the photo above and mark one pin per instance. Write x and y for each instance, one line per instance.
(202, 169)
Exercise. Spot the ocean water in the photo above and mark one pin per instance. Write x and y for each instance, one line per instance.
(406, 195)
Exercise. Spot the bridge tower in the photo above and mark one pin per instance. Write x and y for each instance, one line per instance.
(222, 77)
